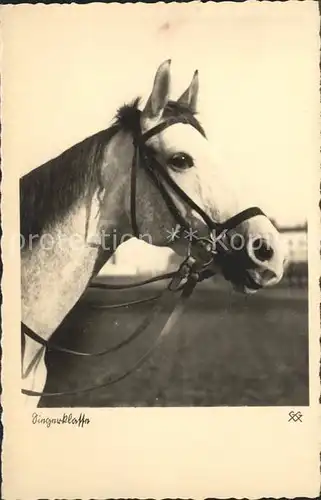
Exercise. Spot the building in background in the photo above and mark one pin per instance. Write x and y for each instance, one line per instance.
(136, 258)
(295, 240)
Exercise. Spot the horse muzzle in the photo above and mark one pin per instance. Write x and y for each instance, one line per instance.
(257, 264)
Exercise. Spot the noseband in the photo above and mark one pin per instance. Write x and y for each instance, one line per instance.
(197, 265)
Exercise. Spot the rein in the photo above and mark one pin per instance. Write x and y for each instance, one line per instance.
(175, 314)
(195, 268)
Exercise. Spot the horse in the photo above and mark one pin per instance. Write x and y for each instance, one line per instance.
(151, 172)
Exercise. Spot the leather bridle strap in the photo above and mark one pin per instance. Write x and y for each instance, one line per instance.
(165, 329)
(139, 142)
(161, 178)
(133, 192)
(159, 174)
(51, 346)
(230, 223)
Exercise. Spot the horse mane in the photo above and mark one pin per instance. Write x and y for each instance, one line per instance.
(48, 192)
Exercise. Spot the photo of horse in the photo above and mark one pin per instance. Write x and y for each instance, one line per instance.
(160, 205)
(146, 277)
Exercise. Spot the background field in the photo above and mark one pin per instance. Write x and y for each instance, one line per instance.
(227, 349)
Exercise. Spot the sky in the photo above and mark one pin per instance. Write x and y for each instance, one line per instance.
(66, 69)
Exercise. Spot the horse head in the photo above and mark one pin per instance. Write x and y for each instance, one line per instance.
(153, 173)
(178, 195)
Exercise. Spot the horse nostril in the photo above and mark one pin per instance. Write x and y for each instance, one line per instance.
(262, 250)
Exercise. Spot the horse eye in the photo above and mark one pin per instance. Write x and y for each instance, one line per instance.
(181, 161)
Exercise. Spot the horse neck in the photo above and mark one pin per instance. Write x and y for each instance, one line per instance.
(54, 274)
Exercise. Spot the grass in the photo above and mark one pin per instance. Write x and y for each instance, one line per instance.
(227, 350)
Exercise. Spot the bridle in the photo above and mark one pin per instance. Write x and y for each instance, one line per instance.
(197, 266)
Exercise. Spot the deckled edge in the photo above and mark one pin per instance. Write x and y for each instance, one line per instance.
(319, 5)
(125, 2)
(1, 273)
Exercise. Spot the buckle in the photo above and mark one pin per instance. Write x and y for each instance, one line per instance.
(203, 252)
(185, 270)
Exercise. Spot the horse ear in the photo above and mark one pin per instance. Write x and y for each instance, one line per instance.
(190, 96)
(160, 93)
